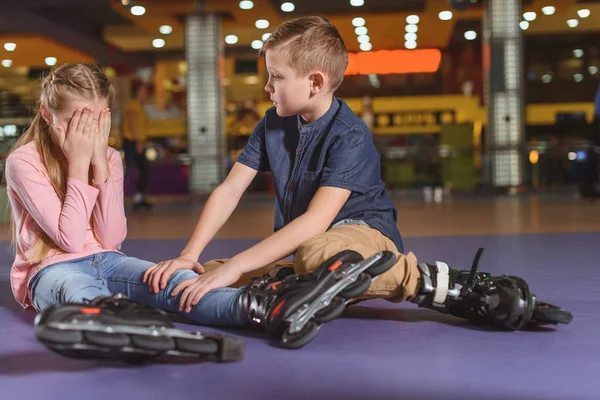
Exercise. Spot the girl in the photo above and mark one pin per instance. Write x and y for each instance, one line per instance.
(65, 187)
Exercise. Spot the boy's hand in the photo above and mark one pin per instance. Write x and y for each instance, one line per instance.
(158, 275)
(195, 289)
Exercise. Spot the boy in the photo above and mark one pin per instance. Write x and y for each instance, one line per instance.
(330, 196)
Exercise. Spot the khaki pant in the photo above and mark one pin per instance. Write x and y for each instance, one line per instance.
(399, 283)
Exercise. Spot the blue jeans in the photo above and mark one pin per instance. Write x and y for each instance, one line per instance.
(102, 274)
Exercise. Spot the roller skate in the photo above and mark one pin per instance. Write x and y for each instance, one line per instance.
(117, 328)
(295, 307)
(505, 301)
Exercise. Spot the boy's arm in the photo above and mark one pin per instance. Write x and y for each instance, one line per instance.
(322, 210)
(324, 207)
(219, 207)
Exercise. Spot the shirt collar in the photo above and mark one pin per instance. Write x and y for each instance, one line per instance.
(322, 122)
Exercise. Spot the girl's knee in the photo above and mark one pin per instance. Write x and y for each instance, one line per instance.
(180, 276)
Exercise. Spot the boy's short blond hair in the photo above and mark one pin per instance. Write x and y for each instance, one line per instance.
(309, 44)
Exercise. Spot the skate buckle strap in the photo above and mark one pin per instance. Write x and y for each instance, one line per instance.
(442, 283)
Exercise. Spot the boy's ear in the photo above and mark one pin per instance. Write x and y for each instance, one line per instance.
(317, 82)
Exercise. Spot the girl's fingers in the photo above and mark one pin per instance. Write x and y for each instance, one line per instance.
(74, 121)
(82, 123)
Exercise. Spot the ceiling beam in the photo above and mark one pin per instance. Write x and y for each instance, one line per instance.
(21, 21)
(31, 4)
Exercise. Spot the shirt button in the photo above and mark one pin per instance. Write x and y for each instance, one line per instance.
(300, 150)
(299, 127)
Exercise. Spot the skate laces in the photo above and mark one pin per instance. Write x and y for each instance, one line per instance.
(474, 267)
(472, 279)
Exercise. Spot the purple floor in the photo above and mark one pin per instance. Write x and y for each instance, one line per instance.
(376, 351)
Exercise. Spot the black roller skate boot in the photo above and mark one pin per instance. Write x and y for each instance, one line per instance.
(116, 328)
(294, 307)
(503, 300)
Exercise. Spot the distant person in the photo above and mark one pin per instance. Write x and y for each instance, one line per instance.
(135, 126)
(590, 186)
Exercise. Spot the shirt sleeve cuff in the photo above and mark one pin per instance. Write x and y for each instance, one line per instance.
(340, 183)
(252, 165)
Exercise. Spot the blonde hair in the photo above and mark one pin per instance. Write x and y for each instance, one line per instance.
(308, 44)
(86, 81)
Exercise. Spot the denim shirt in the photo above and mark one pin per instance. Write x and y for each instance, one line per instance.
(335, 150)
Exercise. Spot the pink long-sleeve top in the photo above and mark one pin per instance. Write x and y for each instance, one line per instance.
(36, 206)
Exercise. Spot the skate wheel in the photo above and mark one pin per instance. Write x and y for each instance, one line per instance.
(357, 288)
(301, 338)
(153, 343)
(386, 262)
(107, 339)
(332, 311)
(46, 334)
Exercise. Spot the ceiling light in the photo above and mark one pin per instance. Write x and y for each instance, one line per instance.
(445, 15)
(546, 78)
(548, 10)
(246, 5)
(412, 19)
(361, 30)
(578, 77)
(410, 44)
(231, 39)
(10, 46)
(261, 24)
(138, 10)
(412, 28)
(410, 37)
(256, 44)
(366, 46)
(357, 3)
(593, 69)
(165, 29)
(158, 43)
(530, 16)
(470, 35)
(358, 21)
(363, 39)
(583, 13)
(50, 61)
(573, 23)
(288, 7)
(265, 36)
(578, 53)
(524, 25)
(6, 63)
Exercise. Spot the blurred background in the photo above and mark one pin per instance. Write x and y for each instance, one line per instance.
(462, 96)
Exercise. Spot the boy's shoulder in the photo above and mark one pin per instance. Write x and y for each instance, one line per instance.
(347, 118)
